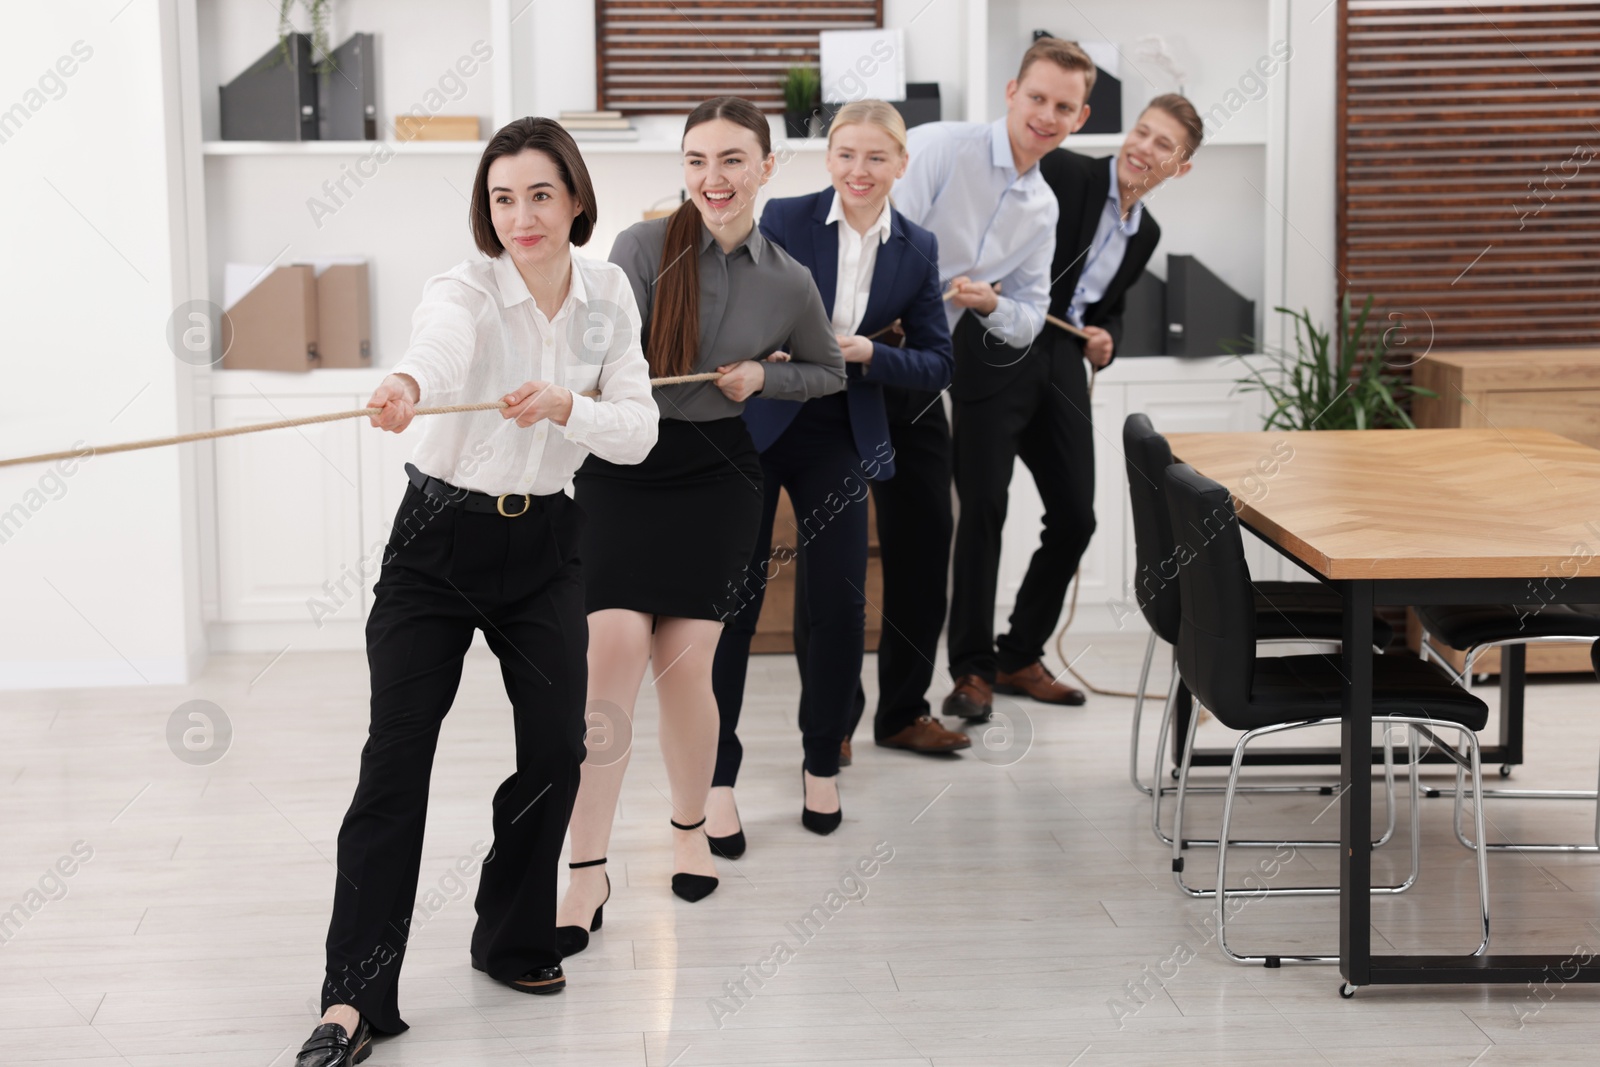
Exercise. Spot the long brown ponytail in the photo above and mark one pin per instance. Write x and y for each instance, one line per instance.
(674, 342)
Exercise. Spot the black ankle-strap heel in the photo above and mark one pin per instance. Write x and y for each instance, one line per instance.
(692, 887)
(571, 940)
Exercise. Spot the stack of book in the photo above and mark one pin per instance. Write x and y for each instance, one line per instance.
(598, 126)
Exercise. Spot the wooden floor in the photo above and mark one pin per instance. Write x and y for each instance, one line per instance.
(1026, 915)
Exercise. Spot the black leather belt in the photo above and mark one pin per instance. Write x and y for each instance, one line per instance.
(470, 499)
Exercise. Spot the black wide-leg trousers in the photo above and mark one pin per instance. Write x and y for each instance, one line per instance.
(446, 573)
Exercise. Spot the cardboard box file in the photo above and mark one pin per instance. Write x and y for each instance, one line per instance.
(344, 321)
(273, 326)
(436, 128)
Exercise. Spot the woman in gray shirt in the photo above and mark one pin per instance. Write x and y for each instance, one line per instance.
(667, 540)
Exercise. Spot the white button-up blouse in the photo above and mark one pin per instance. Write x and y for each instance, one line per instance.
(478, 334)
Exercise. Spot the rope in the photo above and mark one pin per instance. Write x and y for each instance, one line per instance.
(307, 420)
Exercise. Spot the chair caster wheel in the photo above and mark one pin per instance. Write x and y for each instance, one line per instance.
(1505, 770)
(1174, 773)
(1347, 990)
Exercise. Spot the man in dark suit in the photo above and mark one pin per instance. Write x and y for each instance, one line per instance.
(1034, 404)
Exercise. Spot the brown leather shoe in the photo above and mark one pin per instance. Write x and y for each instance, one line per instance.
(1034, 682)
(927, 735)
(844, 753)
(972, 699)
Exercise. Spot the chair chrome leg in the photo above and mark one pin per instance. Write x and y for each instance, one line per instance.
(1527, 846)
(1232, 788)
(1138, 708)
(1469, 738)
(1232, 899)
(1225, 896)
(1168, 713)
(1177, 813)
(1597, 815)
(1207, 842)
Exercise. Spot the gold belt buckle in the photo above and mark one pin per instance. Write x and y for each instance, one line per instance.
(500, 505)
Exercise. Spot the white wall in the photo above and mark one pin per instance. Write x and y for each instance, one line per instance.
(1311, 182)
(93, 568)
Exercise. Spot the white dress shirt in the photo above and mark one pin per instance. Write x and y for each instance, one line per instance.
(858, 255)
(1106, 251)
(993, 224)
(478, 334)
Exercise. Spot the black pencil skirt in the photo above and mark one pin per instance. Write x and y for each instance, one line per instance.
(673, 536)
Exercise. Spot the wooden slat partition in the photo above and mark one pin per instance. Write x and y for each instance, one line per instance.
(666, 56)
(1469, 169)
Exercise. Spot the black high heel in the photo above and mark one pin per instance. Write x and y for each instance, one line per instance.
(571, 940)
(732, 846)
(692, 887)
(818, 822)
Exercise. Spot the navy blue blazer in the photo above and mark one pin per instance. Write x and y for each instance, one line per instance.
(905, 286)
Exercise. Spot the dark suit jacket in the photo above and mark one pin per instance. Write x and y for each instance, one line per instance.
(1081, 184)
(905, 286)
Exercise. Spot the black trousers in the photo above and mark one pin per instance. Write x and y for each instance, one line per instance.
(447, 572)
(816, 461)
(1042, 417)
(914, 525)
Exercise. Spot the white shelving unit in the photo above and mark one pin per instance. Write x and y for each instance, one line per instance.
(267, 557)
(653, 146)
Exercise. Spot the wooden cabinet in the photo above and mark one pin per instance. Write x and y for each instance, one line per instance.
(1556, 389)
(775, 628)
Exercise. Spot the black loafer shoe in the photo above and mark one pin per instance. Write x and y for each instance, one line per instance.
(539, 981)
(330, 1045)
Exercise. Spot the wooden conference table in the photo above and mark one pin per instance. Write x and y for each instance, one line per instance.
(1413, 517)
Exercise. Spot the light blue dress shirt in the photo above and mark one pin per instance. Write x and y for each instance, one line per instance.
(1105, 253)
(993, 224)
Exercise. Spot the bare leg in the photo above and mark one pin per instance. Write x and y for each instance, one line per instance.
(344, 1015)
(722, 814)
(822, 794)
(619, 648)
(682, 661)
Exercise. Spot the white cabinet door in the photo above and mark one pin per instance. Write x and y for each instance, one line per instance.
(288, 508)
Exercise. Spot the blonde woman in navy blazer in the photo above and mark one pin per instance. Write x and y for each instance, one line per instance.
(827, 451)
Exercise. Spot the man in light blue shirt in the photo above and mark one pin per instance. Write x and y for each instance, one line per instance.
(1037, 409)
(994, 223)
(977, 187)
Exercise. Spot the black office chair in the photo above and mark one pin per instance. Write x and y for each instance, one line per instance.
(1474, 629)
(1261, 695)
(1285, 611)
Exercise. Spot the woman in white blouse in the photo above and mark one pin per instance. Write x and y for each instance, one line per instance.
(485, 539)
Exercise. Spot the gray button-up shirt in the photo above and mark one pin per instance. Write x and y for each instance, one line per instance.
(753, 301)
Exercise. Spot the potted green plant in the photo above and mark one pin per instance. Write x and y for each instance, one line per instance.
(1331, 383)
(801, 87)
(321, 13)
